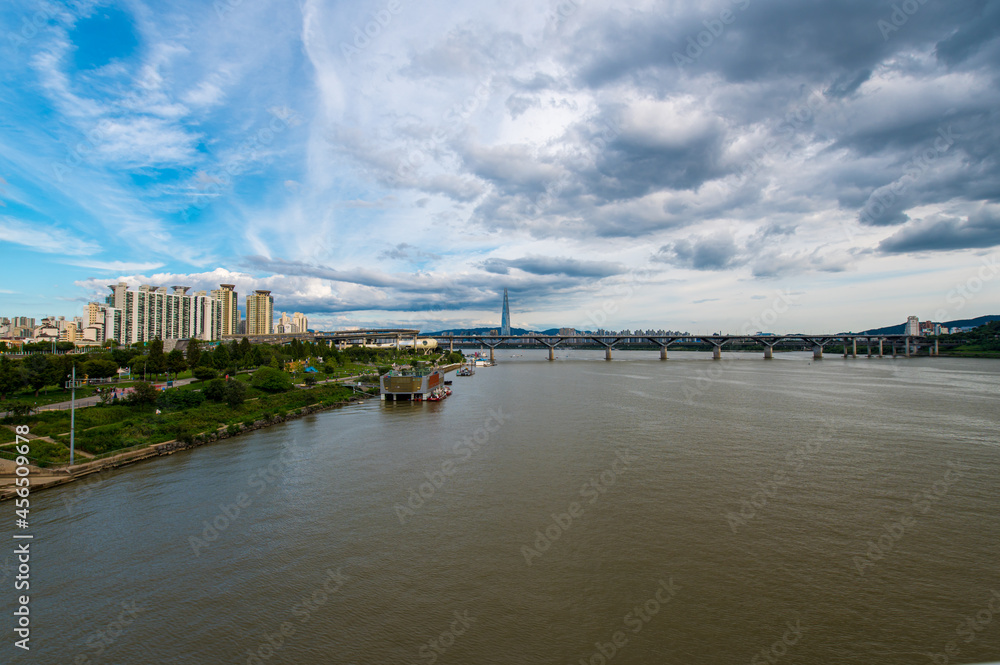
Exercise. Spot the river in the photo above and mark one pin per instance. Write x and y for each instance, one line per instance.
(632, 511)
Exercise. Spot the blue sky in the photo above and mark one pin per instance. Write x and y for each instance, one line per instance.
(681, 165)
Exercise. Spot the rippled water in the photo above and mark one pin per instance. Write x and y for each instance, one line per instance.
(696, 512)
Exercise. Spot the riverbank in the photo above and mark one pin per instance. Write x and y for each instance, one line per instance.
(46, 477)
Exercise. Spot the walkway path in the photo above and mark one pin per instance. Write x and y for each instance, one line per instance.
(89, 401)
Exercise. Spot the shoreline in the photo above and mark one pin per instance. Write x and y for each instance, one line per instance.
(47, 477)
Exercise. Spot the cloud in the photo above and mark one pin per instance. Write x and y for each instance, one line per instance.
(545, 265)
(714, 252)
(407, 252)
(943, 234)
(51, 240)
(116, 266)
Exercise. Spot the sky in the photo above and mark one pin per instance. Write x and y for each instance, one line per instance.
(729, 165)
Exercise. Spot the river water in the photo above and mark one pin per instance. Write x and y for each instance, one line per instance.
(633, 511)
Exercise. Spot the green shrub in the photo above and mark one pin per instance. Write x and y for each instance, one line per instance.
(180, 399)
(235, 393)
(271, 380)
(215, 390)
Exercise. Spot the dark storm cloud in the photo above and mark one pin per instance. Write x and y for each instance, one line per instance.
(819, 104)
(979, 230)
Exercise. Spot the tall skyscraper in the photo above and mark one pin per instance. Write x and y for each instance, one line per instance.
(230, 308)
(260, 313)
(299, 322)
(505, 317)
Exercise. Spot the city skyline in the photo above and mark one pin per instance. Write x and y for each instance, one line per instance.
(582, 157)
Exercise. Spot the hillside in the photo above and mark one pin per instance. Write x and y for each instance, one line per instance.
(958, 323)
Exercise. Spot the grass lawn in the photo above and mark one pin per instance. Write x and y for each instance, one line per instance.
(104, 429)
(7, 435)
(42, 453)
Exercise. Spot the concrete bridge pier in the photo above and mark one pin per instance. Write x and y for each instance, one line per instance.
(491, 356)
(817, 352)
(768, 351)
(880, 354)
(607, 353)
(893, 348)
(552, 353)
(937, 349)
(869, 343)
(717, 352)
(907, 347)
(854, 347)
(451, 345)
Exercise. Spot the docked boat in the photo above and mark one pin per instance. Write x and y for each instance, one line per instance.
(465, 370)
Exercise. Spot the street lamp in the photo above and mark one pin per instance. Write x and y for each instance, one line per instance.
(72, 414)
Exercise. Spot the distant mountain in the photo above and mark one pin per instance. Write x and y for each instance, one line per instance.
(960, 323)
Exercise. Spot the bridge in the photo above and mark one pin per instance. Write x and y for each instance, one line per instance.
(910, 343)
(389, 337)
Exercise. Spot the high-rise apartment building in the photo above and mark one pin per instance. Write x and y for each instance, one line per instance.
(299, 322)
(156, 313)
(230, 308)
(260, 313)
(912, 325)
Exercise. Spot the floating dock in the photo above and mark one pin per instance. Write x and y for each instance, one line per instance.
(409, 384)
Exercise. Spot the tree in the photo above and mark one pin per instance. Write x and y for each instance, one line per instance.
(138, 365)
(176, 362)
(271, 380)
(157, 361)
(258, 356)
(100, 368)
(220, 357)
(142, 394)
(10, 377)
(37, 372)
(122, 355)
(246, 352)
(236, 392)
(215, 390)
(193, 352)
(204, 373)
